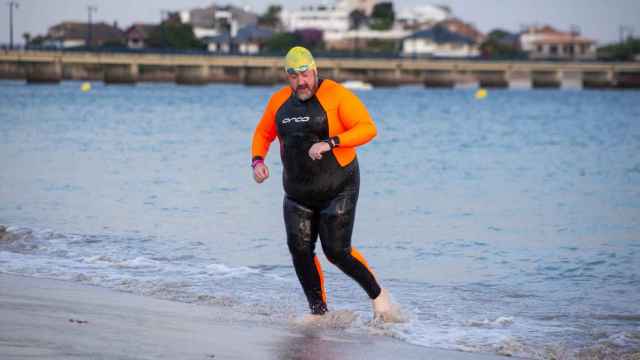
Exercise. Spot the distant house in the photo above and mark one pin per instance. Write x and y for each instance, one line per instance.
(138, 34)
(549, 43)
(334, 22)
(74, 34)
(249, 40)
(460, 27)
(324, 16)
(439, 41)
(221, 44)
(216, 20)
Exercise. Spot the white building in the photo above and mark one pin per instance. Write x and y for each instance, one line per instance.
(69, 34)
(327, 18)
(422, 16)
(335, 23)
(215, 20)
(549, 43)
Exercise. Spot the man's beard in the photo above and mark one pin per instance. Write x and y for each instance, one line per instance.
(306, 95)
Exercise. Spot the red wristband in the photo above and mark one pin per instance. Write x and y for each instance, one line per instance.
(255, 162)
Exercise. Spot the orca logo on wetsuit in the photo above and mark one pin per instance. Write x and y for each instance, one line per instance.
(296, 119)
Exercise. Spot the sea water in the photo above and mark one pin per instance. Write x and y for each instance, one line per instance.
(506, 225)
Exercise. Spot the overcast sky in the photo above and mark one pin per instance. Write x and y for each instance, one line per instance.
(597, 19)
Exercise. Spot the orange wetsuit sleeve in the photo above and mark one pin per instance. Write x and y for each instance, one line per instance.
(355, 118)
(265, 131)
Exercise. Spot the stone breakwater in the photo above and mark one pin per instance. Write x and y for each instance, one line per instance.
(123, 68)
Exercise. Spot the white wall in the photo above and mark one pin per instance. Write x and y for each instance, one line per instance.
(221, 48)
(249, 48)
(204, 32)
(425, 47)
(562, 53)
(329, 19)
(393, 34)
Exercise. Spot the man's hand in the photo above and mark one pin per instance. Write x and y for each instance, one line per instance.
(317, 149)
(260, 172)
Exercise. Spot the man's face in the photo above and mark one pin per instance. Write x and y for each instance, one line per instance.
(304, 83)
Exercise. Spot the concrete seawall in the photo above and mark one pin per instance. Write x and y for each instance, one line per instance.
(116, 68)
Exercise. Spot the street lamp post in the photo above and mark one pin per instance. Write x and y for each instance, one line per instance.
(12, 4)
(163, 14)
(90, 9)
(575, 31)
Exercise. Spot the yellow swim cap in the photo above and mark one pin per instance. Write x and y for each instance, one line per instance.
(299, 59)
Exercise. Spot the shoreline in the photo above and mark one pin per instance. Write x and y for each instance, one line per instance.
(55, 319)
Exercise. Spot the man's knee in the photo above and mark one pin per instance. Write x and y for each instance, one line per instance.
(299, 248)
(337, 255)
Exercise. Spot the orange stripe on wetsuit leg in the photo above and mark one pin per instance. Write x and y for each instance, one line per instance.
(319, 268)
(358, 256)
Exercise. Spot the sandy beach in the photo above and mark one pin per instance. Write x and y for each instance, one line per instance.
(52, 319)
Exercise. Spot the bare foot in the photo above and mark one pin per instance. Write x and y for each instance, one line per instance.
(384, 310)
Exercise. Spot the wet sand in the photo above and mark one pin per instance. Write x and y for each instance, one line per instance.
(51, 319)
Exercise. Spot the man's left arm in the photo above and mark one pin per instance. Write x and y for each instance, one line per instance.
(355, 118)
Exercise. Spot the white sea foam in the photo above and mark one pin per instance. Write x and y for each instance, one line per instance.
(96, 259)
(222, 270)
(139, 262)
(502, 321)
(338, 319)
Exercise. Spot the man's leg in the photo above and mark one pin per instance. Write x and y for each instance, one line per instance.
(335, 228)
(302, 233)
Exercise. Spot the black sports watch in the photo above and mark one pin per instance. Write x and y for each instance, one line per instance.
(333, 141)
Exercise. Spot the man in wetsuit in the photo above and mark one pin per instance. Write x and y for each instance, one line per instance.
(318, 123)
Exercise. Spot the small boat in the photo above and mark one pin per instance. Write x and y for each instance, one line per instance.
(357, 85)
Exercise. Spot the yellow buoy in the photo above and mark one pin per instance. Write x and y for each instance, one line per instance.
(481, 94)
(86, 86)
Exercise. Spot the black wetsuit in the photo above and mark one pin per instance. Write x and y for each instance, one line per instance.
(320, 200)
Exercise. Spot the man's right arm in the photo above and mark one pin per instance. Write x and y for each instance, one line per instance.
(263, 136)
